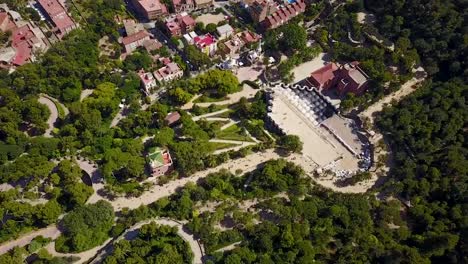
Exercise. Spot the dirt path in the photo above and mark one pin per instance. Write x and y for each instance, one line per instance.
(405, 90)
(231, 122)
(229, 247)
(240, 144)
(85, 93)
(50, 232)
(53, 114)
(249, 163)
(119, 116)
(247, 92)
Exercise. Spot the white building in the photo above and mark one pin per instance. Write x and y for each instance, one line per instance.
(225, 31)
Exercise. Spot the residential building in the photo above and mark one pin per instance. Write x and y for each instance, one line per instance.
(249, 37)
(26, 43)
(345, 78)
(152, 44)
(352, 79)
(6, 57)
(190, 38)
(206, 44)
(173, 28)
(172, 118)
(180, 24)
(204, 4)
(325, 77)
(150, 9)
(58, 16)
(225, 31)
(132, 42)
(283, 15)
(132, 27)
(183, 5)
(233, 46)
(170, 71)
(160, 161)
(147, 81)
(260, 9)
(270, 15)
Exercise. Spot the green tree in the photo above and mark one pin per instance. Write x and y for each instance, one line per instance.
(291, 143)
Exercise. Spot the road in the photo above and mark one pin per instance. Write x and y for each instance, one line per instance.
(53, 114)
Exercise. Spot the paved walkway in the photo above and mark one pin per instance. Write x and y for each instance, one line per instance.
(50, 232)
(53, 114)
(96, 179)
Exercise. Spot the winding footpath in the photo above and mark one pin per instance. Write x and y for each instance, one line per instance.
(49, 232)
(132, 233)
(53, 114)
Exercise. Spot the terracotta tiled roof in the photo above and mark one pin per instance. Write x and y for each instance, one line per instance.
(324, 74)
(135, 37)
(173, 117)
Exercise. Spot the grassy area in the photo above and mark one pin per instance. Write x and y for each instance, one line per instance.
(197, 110)
(218, 123)
(226, 114)
(58, 105)
(218, 145)
(209, 99)
(61, 112)
(233, 132)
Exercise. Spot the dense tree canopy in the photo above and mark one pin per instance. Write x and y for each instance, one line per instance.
(86, 227)
(437, 29)
(158, 244)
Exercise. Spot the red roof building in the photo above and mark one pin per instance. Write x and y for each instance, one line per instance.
(147, 81)
(249, 37)
(346, 78)
(206, 44)
(283, 15)
(260, 9)
(172, 118)
(25, 41)
(352, 79)
(136, 40)
(58, 16)
(180, 24)
(169, 72)
(324, 78)
(150, 9)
